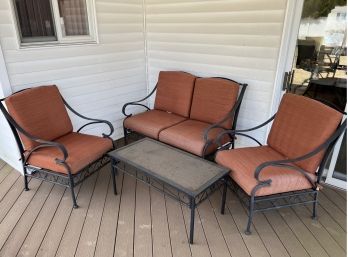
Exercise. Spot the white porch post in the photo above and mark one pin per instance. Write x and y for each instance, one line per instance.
(8, 148)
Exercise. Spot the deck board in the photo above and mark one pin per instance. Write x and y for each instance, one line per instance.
(125, 229)
(89, 235)
(143, 222)
(254, 243)
(309, 242)
(24, 224)
(177, 230)
(41, 224)
(161, 245)
(72, 233)
(108, 227)
(140, 221)
(336, 198)
(50, 243)
(234, 240)
(336, 213)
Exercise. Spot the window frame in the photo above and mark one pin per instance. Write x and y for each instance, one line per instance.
(59, 39)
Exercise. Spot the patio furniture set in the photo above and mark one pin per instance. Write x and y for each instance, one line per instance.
(189, 147)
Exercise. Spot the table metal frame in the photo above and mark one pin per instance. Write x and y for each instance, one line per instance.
(178, 193)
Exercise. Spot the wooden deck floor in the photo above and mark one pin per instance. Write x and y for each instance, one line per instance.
(142, 222)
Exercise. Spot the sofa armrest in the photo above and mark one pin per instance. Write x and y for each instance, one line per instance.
(138, 103)
(233, 114)
(232, 133)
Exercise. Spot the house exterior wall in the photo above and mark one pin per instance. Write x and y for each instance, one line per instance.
(96, 79)
(236, 39)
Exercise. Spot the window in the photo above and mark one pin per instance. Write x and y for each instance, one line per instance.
(55, 21)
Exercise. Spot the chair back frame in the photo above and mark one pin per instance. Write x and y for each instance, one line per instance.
(68, 180)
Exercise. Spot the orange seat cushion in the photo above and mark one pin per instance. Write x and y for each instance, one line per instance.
(82, 150)
(213, 99)
(243, 161)
(188, 135)
(174, 92)
(41, 112)
(301, 125)
(151, 123)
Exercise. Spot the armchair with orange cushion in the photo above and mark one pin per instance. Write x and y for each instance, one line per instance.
(288, 170)
(189, 111)
(49, 148)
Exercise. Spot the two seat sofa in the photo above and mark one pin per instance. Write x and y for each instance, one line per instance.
(189, 111)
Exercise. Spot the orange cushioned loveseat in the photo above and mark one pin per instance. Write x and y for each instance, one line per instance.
(189, 111)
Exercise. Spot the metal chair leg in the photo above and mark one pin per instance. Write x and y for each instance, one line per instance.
(125, 135)
(250, 215)
(315, 204)
(192, 221)
(26, 187)
(73, 192)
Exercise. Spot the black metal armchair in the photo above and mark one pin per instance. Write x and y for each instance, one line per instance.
(288, 170)
(49, 148)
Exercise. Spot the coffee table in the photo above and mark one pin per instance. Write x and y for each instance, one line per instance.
(180, 175)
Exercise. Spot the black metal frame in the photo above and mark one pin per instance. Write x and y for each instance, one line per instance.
(232, 114)
(191, 199)
(68, 180)
(310, 196)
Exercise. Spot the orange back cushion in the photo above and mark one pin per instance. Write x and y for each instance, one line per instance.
(41, 112)
(174, 92)
(301, 125)
(213, 98)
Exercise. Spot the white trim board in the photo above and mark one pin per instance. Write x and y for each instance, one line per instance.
(8, 148)
(287, 48)
(5, 86)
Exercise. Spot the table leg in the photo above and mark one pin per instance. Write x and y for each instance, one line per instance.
(223, 199)
(192, 222)
(113, 175)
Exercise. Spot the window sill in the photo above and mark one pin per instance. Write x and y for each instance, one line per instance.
(40, 45)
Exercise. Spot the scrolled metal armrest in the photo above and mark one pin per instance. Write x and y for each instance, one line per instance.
(240, 132)
(138, 103)
(281, 164)
(96, 121)
(132, 103)
(93, 121)
(43, 144)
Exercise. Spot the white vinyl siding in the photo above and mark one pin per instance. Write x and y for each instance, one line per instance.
(96, 79)
(236, 39)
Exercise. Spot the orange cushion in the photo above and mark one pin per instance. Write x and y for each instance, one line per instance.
(151, 123)
(243, 161)
(174, 92)
(41, 112)
(82, 149)
(188, 135)
(302, 124)
(213, 98)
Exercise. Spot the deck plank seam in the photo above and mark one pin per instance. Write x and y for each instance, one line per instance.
(84, 220)
(101, 219)
(43, 204)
